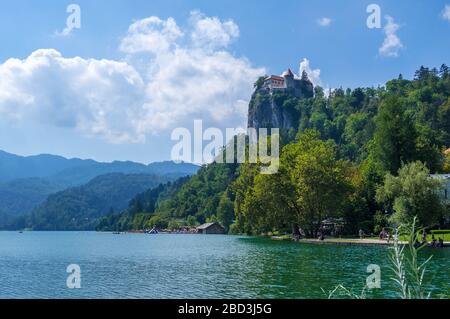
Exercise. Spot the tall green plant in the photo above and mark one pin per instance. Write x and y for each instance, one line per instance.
(408, 272)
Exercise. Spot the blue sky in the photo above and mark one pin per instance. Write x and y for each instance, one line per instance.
(69, 101)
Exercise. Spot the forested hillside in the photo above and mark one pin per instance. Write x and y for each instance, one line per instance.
(342, 157)
(78, 208)
(188, 201)
(140, 213)
(18, 197)
(26, 182)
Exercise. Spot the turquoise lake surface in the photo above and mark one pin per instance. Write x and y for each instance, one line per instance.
(33, 265)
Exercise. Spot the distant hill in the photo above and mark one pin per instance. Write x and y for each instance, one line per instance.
(26, 182)
(20, 196)
(78, 208)
(77, 171)
(17, 167)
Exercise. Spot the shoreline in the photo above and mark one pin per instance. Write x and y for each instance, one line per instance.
(346, 241)
(326, 241)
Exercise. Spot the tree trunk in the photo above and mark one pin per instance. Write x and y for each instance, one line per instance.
(295, 229)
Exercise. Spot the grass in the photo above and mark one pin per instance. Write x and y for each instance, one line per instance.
(444, 234)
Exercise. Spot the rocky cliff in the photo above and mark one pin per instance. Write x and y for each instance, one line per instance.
(267, 108)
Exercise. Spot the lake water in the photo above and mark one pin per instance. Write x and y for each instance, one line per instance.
(33, 265)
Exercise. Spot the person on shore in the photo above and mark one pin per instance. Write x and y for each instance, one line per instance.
(388, 237)
(382, 234)
(433, 242)
(321, 236)
(424, 237)
(361, 234)
(440, 243)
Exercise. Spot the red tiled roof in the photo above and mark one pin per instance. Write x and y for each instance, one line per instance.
(275, 77)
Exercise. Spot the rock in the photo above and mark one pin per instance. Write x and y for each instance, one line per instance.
(265, 112)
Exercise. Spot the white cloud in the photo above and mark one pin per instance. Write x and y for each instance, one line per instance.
(324, 22)
(190, 83)
(188, 77)
(97, 97)
(211, 32)
(195, 77)
(313, 74)
(446, 13)
(392, 44)
(151, 35)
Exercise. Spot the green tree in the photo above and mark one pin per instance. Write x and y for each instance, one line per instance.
(225, 211)
(395, 135)
(444, 121)
(191, 221)
(447, 163)
(242, 188)
(271, 204)
(412, 193)
(358, 130)
(259, 82)
(319, 179)
(308, 187)
(174, 224)
(156, 221)
(380, 221)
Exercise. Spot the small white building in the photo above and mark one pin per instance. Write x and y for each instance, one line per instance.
(275, 82)
(445, 178)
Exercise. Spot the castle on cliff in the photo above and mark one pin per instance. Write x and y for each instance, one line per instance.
(287, 82)
(283, 81)
(264, 112)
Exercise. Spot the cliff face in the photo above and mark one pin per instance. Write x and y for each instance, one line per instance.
(263, 112)
(266, 106)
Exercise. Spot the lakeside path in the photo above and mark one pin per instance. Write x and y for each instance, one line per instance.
(348, 241)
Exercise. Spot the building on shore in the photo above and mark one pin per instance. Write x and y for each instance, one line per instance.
(333, 226)
(445, 193)
(211, 229)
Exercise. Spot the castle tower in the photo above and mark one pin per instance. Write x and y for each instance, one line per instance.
(288, 78)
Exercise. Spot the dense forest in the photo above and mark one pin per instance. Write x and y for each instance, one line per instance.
(188, 201)
(18, 197)
(364, 155)
(78, 208)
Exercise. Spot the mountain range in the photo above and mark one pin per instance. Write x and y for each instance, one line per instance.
(78, 171)
(26, 182)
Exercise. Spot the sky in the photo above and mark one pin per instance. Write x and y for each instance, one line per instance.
(114, 82)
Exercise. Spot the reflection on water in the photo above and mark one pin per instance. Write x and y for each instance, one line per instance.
(33, 265)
